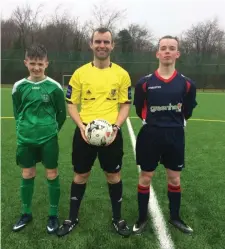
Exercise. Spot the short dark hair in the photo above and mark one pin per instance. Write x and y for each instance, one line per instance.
(36, 51)
(101, 30)
(169, 37)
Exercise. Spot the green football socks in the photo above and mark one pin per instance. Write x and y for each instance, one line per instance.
(54, 195)
(26, 194)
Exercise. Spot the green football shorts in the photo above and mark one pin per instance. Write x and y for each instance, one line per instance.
(28, 155)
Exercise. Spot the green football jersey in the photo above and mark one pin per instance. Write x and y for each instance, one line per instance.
(39, 110)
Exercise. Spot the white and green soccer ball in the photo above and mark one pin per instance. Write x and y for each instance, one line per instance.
(99, 132)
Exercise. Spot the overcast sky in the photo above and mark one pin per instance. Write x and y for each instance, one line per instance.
(160, 16)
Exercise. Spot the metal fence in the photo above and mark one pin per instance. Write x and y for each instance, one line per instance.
(207, 72)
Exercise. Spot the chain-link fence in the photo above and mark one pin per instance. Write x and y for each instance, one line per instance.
(208, 73)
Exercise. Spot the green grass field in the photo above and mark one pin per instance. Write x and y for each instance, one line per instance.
(203, 185)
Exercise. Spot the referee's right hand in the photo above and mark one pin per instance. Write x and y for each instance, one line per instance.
(82, 131)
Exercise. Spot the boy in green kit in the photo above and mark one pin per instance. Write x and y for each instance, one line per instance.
(39, 111)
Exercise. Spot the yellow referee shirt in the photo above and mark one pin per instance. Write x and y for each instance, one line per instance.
(99, 91)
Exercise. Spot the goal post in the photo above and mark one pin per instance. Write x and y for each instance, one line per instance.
(65, 80)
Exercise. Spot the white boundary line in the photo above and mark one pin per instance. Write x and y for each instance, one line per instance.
(191, 119)
(163, 235)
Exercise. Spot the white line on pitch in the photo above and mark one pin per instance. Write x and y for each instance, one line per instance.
(163, 235)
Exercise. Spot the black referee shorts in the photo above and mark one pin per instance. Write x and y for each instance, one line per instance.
(164, 145)
(84, 154)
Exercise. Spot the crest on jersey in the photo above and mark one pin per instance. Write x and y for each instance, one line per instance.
(45, 97)
(88, 92)
(113, 92)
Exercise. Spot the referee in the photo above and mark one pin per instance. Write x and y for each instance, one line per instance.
(103, 91)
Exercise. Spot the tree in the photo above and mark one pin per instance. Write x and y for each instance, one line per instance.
(105, 16)
(26, 21)
(124, 41)
(142, 38)
(204, 38)
(62, 33)
(9, 34)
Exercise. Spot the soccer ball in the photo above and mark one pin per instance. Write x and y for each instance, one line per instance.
(99, 132)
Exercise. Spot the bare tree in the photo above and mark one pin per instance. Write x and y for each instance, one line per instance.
(105, 16)
(9, 34)
(63, 33)
(142, 38)
(205, 38)
(26, 21)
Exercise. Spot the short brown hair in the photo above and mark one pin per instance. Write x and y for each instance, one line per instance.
(36, 51)
(101, 30)
(169, 37)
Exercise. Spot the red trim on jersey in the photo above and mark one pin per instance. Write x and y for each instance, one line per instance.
(188, 86)
(144, 87)
(144, 110)
(172, 188)
(166, 80)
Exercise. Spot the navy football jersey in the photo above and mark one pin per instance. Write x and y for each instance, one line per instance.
(165, 102)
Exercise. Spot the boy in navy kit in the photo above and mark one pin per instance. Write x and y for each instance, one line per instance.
(164, 101)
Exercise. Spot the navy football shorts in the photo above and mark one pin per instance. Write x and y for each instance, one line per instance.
(160, 145)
